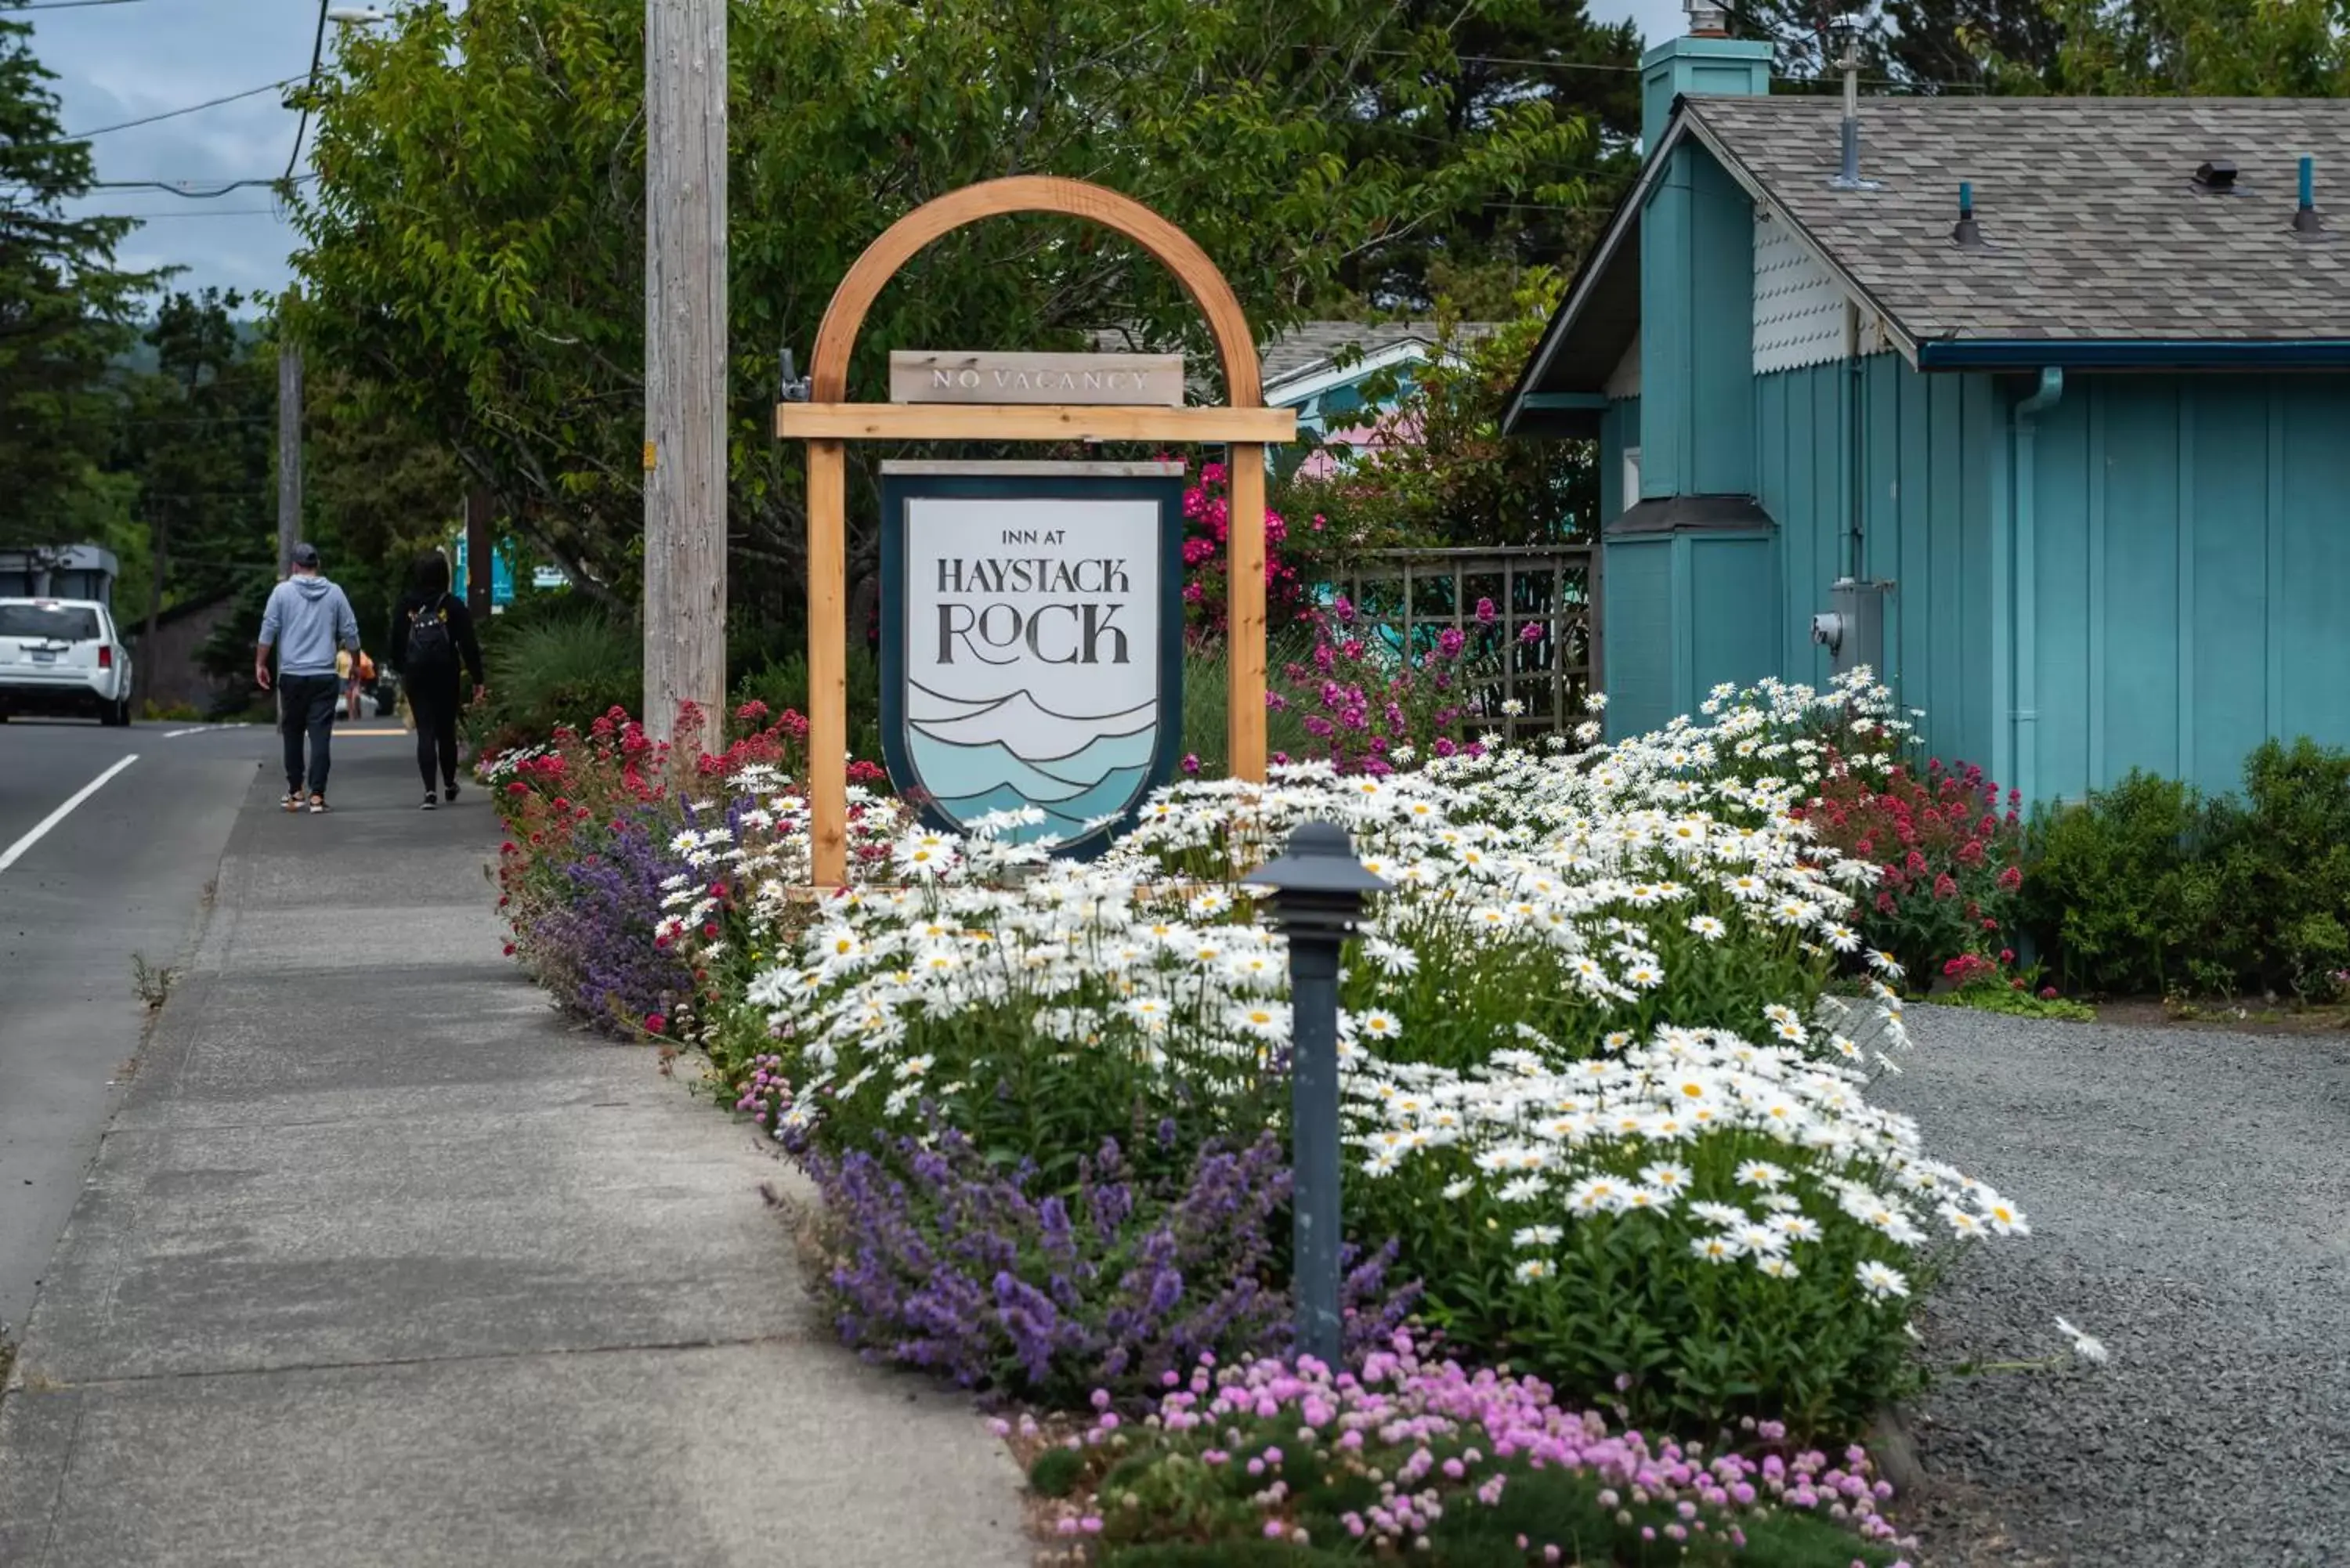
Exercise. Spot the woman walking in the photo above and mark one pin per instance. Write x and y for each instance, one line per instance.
(431, 631)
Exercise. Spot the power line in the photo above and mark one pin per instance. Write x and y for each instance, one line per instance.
(180, 187)
(214, 213)
(318, 53)
(167, 114)
(71, 4)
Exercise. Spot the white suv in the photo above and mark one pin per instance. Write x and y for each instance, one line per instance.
(62, 656)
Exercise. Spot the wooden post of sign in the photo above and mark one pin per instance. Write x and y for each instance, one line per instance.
(828, 420)
(1245, 612)
(827, 664)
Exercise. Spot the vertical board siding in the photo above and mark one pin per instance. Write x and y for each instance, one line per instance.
(1728, 641)
(2227, 554)
(2189, 561)
(1927, 445)
(2316, 619)
(2064, 564)
(2141, 597)
(1722, 357)
(2193, 558)
(1665, 337)
(1637, 604)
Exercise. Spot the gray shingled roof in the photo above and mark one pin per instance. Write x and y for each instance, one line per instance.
(1311, 345)
(2097, 227)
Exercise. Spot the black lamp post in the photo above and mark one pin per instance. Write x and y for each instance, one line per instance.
(1318, 889)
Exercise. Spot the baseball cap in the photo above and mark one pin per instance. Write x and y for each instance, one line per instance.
(305, 555)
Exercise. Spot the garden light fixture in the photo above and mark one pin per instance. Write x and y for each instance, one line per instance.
(1318, 888)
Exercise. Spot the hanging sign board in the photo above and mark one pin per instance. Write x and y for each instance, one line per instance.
(1031, 640)
(1129, 379)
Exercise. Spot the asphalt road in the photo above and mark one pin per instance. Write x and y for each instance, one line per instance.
(123, 872)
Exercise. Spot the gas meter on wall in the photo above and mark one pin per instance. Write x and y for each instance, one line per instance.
(1853, 628)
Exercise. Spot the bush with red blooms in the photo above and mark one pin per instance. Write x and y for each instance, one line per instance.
(1948, 846)
(593, 823)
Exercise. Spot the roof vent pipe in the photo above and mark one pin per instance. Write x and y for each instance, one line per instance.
(1845, 32)
(1966, 234)
(2306, 221)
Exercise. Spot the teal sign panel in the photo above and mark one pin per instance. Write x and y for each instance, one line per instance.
(1032, 641)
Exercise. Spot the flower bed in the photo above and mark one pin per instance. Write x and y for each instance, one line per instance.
(1606, 1110)
(1269, 1463)
(1605, 1090)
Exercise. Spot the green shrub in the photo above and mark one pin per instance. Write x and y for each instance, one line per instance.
(2002, 998)
(2151, 887)
(2117, 890)
(562, 667)
(2285, 869)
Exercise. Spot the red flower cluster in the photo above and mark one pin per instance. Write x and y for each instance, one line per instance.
(1948, 849)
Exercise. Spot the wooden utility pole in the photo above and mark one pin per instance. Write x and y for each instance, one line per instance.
(685, 359)
(289, 439)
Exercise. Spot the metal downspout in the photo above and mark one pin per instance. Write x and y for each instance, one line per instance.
(2023, 715)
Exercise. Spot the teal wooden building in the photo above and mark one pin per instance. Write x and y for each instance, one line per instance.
(2079, 452)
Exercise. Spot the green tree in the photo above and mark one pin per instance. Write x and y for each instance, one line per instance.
(1455, 479)
(65, 310)
(1479, 74)
(2200, 48)
(381, 492)
(475, 244)
(196, 434)
(1943, 46)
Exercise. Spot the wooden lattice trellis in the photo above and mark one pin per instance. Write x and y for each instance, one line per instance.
(1415, 595)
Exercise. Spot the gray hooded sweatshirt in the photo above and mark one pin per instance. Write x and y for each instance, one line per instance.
(306, 620)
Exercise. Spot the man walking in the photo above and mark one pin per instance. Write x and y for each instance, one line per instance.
(308, 620)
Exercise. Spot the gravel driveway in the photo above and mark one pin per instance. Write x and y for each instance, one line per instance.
(2190, 1199)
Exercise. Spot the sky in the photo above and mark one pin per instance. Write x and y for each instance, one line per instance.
(121, 62)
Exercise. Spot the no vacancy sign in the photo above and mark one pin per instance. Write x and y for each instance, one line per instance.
(1031, 640)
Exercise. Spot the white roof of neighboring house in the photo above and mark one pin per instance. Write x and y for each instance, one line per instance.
(1313, 357)
(1304, 360)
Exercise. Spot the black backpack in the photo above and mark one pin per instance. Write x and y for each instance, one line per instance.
(431, 644)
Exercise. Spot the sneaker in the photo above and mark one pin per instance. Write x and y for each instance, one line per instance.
(292, 801)
(430, 800)
(450, 793)
(318, 805)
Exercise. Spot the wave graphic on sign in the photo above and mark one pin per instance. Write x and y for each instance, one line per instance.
(979, 757)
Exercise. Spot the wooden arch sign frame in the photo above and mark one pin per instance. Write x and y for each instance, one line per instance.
(827, 421)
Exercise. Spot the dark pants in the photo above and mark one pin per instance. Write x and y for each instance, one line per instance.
(306, 704)
(432, 698)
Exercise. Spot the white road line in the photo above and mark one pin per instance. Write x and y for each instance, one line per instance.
(175, 734)
(15, 851)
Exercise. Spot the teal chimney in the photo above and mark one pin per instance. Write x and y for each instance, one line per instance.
(1707, 61)
(1697, 277)
(1689, 569)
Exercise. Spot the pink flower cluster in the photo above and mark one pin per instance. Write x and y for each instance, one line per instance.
(764, 1091)
(1207, 524)
(1374, 710)
(1434, 1436)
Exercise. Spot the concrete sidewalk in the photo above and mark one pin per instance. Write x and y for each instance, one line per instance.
(381, 1263)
